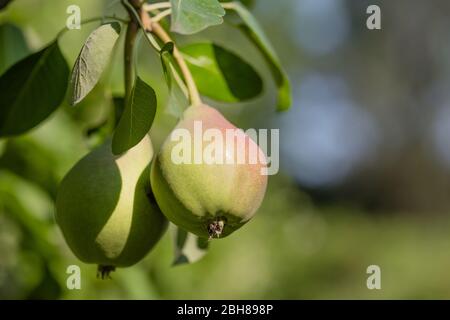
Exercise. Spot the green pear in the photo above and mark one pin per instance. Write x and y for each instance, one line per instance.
(210, 198)
(106, 210)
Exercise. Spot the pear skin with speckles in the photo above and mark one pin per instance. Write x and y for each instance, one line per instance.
(217, 195)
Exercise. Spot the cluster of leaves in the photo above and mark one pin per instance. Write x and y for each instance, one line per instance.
(34, 87)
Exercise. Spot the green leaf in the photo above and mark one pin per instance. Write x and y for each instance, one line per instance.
(178, 100)
(254, 31)
(137, 118)
(166, 60)
(191, 16)
(119, 107)
(92, 60)
(13, 46)
(220, 74)
(188, 247)
(31, 90)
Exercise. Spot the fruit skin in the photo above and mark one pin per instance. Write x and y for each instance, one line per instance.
(104, 210)
(193, 196)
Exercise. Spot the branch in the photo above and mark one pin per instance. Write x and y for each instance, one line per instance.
(132, 11)
(162, 15)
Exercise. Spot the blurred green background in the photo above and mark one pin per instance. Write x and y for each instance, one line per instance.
(365, 161)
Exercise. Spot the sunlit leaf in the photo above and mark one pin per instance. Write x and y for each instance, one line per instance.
(253, 30)
(191, 16)
(136, 119)
(92, 60)
(220, 74)
(32, 89)
(166, 60)
(177, 100)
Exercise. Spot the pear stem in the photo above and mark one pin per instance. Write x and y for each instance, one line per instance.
(156, 6)
(104, 272)
(162, 15)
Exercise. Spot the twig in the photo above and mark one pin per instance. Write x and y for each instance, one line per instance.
(133, 13)
(162, 15)
(180, 82)
(228, 5)
(156, 6)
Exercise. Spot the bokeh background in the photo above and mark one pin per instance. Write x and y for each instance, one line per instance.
(365, 161)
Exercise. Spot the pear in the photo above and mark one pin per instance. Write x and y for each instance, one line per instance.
(214, 198)
(106, 210)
